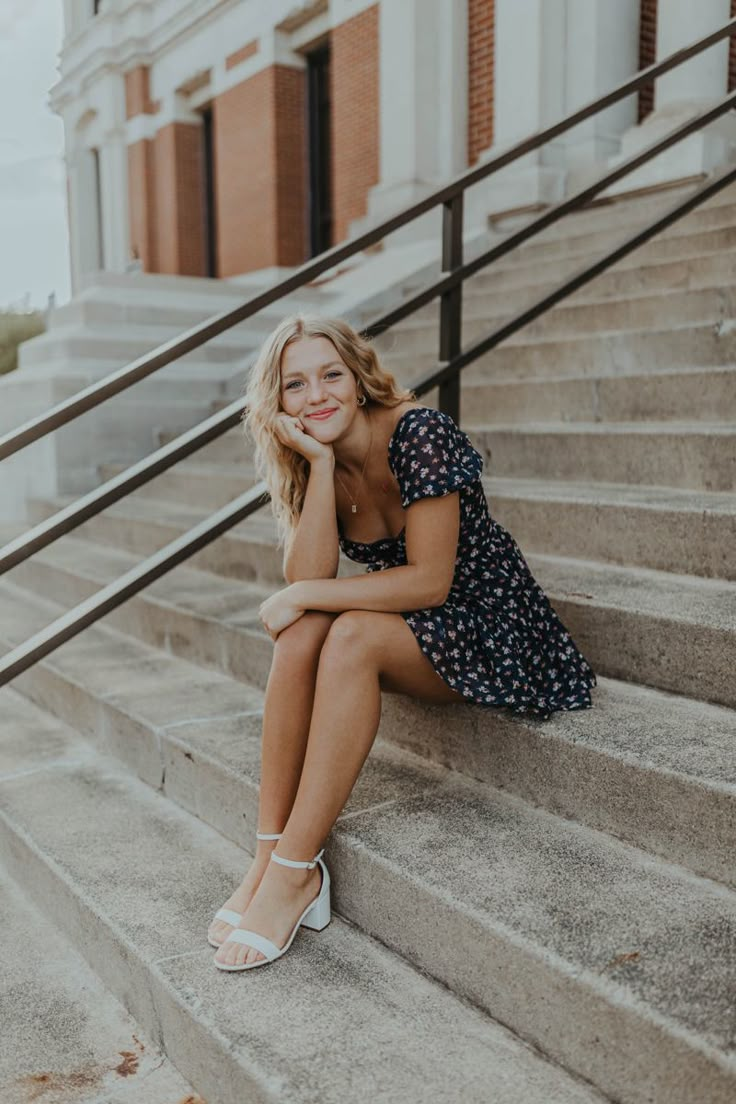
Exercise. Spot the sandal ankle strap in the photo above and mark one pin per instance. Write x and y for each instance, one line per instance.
(295, 862)
(268, 835)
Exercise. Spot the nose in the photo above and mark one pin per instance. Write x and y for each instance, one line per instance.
(316, 392)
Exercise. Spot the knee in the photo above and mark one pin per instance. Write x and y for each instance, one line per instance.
(349, 637)
(303, 639)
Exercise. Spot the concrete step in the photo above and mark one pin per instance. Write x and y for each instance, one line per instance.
(518, 269)
(635, 207)
(632, 314)
(130, 342)
(647, 766)
(246, 552)
(175, 313)
(641, 352)
(711, 271)
(678, 240)
(208, 486)
(157, 960)
(655, 628)
(698, 456)
(67, 1039)
(686, 532)
(625, 213)
(702, 394)
(628, 622)
(596, 946)
(232, 448)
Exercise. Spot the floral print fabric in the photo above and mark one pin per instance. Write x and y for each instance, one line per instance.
(496, 639)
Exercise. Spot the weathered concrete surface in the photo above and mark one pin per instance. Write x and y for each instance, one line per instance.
(664, 528)
(512, 908)
(340, 1018)
(705, 394)
(66, 1039)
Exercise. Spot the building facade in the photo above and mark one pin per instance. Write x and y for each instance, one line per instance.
(222, 137)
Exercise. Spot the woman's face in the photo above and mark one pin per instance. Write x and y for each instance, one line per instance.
(314, 378)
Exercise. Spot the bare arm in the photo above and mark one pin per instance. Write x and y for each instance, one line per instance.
(314, 551)
(432, 531)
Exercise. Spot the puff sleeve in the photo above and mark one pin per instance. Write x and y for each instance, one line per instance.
(431, 456)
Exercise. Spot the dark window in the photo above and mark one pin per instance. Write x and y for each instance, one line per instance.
(208, 193)
(319, 147)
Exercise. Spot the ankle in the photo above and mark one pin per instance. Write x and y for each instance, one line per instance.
(265, 847)
(295, 876)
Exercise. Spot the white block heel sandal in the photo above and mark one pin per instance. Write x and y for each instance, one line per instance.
(315, 916)
(229, 915)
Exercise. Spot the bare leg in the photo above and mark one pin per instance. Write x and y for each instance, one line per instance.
(286, 717)
(360, 646)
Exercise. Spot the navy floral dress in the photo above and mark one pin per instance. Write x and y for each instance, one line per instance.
(496, 639)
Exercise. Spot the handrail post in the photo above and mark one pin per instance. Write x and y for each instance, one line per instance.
(451, 303)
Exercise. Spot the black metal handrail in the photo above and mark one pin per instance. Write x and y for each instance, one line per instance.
(114, 489)
(198, 335)
(447, 377)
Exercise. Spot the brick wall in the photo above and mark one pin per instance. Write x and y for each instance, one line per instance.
(481, 25)
(354, 95)
(647, 52)
(260, 171)
(178, 165)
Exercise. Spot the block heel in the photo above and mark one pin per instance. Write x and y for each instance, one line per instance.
(320, 913)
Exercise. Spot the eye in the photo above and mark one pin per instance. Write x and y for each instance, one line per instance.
(332, 372)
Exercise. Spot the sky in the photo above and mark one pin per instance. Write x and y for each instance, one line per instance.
(34, 239)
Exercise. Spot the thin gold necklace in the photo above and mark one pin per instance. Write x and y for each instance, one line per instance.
(354, 505)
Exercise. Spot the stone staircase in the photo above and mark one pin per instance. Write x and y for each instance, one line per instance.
(528, 912)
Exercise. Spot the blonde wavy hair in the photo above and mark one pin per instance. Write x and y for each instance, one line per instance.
(285, 471)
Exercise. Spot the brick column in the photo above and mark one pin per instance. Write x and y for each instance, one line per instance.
(647, 52)
(354, 95)
(481, 31)
(179, 206)
(165, 186)
(260, 177)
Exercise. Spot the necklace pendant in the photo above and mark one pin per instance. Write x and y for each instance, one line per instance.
(354, 508)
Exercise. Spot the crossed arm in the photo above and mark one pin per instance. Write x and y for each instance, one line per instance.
(432, 531)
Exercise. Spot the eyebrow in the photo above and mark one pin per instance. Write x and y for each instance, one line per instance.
(329, 364)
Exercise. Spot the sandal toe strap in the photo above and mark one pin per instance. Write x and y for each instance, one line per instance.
(228, 916)
(253, 939)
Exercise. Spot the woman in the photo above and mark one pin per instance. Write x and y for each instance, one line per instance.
(350, 459)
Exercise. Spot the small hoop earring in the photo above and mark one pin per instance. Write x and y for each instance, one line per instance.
(361, 401)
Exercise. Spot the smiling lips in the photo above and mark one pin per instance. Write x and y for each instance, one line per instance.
(323, 414)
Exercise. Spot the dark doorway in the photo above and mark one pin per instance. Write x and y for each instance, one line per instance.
(208, 193)
(319, 147)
